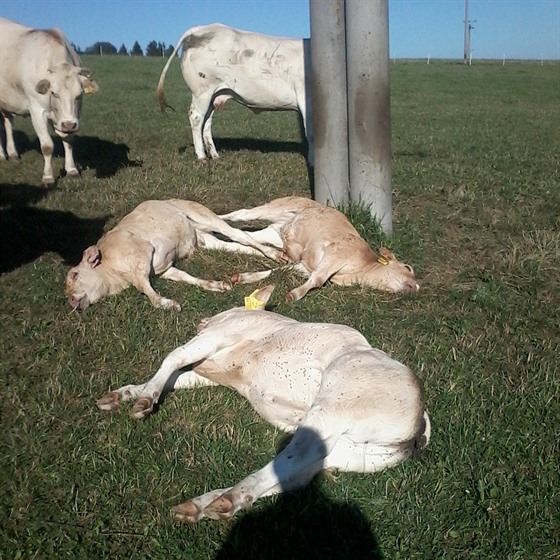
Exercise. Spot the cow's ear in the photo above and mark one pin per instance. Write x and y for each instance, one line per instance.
(384, 252)
(89, 86)
(92, 256)
(85, 72)
(42, 86)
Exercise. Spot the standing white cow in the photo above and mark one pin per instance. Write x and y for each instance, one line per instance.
(41, 76)
(262, 72)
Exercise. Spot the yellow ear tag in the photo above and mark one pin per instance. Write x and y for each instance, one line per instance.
(251, 302)
(383, 261)
(88, 89)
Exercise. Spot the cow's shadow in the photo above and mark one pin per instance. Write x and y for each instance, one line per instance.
(106, 158)
(226, 144)
(27, 232)
(302, 524)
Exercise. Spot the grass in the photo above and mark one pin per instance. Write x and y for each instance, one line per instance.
(476, 212)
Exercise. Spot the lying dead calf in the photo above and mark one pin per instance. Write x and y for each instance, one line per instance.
(351, 406)
(148, 241)
(323, 245)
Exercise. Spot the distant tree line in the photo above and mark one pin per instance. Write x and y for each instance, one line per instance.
(103, 48)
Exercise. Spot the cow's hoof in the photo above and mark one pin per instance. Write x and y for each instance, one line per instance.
(187, 512)
(73, 174)
(220, 508)
(48, 182)
(142, 407)
(235, 278)
(110, 401)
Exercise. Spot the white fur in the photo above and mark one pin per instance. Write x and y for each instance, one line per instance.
(351, 407)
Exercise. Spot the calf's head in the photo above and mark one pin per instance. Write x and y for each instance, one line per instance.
(62, 93)
(85, 284)
(392, 275)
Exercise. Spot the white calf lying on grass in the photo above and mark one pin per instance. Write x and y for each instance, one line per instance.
(351, 406)
(147, 241)
(323, 245)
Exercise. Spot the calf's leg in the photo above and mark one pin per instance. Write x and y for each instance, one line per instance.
(177, 275)
(199, 348)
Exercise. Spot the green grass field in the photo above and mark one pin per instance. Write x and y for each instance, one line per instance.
(476, 182)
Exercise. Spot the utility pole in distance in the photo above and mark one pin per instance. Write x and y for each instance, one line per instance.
(467, 34)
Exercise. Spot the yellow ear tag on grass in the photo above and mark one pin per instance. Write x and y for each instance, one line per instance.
(383, 261)
(251, 302)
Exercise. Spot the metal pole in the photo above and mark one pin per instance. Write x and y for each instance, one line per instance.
(369, 114)
(329, 102)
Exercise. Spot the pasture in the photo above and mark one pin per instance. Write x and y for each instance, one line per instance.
(476, 182)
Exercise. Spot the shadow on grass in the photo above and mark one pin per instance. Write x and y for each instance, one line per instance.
(26, 233)
(104, 156)
(90, 152)
(263, 146)
(303, 524)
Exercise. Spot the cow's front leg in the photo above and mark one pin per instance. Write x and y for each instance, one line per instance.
(47, 146)
(69, 164)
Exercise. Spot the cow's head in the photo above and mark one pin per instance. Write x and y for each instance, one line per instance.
(84, 283)
(392, 275)
(62, 92)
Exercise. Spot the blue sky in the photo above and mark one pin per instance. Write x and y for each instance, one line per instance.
(417, 28)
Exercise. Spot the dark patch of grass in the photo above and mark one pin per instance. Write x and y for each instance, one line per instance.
(476, 206)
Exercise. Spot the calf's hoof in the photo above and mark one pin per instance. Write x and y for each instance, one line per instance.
(186, 512)
(165, 303)
(290, 297)
(142, 407)
(224, 286)
(220, 508)
(110, 401)
(235, 278)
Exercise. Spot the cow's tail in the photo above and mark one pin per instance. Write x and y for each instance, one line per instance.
(160, 95)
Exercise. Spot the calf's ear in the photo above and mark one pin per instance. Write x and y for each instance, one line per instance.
(42, 86)
(263, 294)
(384, 252)
(92, 256)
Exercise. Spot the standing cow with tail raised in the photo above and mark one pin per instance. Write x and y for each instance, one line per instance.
(41, 75)
(262, 72)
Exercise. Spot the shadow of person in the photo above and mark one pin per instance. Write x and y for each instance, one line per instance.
(303, 524)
